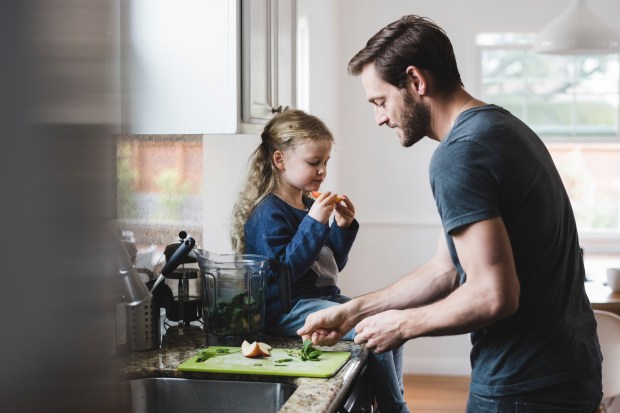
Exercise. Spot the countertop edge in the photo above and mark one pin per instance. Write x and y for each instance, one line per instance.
(312, 395)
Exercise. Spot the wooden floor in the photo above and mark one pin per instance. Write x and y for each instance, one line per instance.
(434, 394)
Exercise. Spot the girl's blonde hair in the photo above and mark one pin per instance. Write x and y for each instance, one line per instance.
(284, 132)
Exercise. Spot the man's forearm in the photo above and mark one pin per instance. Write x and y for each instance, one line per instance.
(422, 286)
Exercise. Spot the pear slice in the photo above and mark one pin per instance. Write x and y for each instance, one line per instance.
(265, 348)
(254, 349)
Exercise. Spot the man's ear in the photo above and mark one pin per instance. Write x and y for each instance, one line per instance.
(417, 80)
(278, 160)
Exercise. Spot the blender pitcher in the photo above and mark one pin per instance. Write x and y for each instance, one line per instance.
(233, 287)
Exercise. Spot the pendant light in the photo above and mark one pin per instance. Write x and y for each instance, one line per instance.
(577, 30)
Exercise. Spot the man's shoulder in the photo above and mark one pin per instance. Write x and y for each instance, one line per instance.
(489, 127)
(488, 120)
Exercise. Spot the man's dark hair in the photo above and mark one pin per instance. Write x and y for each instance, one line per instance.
(410, 41)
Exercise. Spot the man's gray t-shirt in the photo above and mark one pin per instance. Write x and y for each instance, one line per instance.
(492, 165)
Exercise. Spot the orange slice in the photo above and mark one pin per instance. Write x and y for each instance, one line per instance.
(317, 194)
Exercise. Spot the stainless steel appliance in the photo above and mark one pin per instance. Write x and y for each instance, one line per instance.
(143, 326)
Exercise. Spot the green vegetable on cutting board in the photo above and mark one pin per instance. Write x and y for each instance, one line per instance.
(308, 352)
(206, 354)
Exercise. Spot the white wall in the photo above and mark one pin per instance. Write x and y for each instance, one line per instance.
(389, 184)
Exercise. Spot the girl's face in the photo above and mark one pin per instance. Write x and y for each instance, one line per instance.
(304, 167)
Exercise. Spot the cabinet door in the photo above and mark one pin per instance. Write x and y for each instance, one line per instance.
(179, 66)
(268, 58)
(286, 57)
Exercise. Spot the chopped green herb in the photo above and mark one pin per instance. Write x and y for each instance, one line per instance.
(283, 360)
(206, 354)
(308, 352)
(257, 364)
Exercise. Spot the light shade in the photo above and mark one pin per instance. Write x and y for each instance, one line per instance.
(577, 30)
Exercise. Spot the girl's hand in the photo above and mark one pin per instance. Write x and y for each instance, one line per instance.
(323, 207)
(345, 213)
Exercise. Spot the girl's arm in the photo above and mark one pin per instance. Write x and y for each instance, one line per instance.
(274, 233)
(344, 231)
(341, 240)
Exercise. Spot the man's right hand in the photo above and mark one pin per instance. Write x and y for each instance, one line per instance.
(326, 327)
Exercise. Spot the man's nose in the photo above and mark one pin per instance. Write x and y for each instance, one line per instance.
(380, 117)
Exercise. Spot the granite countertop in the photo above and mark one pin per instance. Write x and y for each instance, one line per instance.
(311, 396)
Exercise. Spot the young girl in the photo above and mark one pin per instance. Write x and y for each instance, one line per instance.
(275, 217)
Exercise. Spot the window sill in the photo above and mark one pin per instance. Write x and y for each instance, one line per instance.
(606, 243)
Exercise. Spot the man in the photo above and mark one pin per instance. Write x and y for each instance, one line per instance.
(507, 267)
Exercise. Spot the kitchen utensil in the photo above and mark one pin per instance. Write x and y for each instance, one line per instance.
(234, 294)
(186, 305)
(234, 362)
(140, 326)
(186, 245)
(184, 282)
(143, 323)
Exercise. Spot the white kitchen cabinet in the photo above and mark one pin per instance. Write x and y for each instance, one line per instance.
(180, 66)
(268, 58)
(206, 67)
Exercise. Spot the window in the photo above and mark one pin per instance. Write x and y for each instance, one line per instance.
(159, 191)
(572, 102)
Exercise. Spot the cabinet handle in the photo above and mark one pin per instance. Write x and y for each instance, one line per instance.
(278, 109)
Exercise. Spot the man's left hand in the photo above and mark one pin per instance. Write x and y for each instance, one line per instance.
(381, 332)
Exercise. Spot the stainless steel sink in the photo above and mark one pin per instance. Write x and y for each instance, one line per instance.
(155, 395)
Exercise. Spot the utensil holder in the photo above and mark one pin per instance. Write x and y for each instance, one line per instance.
(144, 326)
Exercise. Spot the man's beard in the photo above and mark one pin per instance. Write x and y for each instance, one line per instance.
(414, 122)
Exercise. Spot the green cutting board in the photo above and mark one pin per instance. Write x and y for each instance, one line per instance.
(235, 363)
